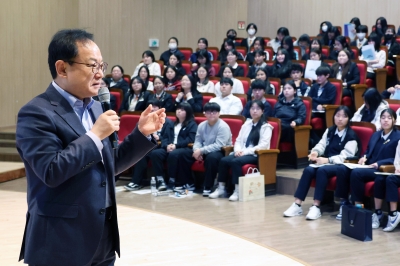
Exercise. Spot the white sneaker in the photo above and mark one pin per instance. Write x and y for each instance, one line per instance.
(376, 220)
(393, 221)
(219, 192)
(314, 213)
(294, 210)
(234, 196)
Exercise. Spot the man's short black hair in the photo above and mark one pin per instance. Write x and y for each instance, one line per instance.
(258, 84)
(210, 107)
(226, 81)
(323, 70)
(297, 67)
(63, 46)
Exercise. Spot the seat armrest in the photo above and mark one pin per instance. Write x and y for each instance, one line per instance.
(227, 149)
(190, 145)
(387, 168)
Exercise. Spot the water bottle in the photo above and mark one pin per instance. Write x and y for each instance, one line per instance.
(153, 186)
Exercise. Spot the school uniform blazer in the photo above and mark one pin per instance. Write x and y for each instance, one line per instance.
(327, 96)
(387, 151)
(141, 105)
(196, 102)
(66, 176)
(166, 101)
(352, 76)
(121, 84)
(186, 135)
(237, 72)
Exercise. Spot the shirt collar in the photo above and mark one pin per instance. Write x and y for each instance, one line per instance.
(72, 100)
(340, 133)
(385, 136)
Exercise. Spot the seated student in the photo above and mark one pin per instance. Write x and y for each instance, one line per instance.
(251, 36)
(117, 79)
(174, 141)
(390, 185)
(356, 22)
(323, 29)
(231, 34)
(203, 59)
(150, 62)
(258, 89)
(202, 44)
(172, 79)
(281, 33)
(258, 62)
(254, 135)
(392, 45)
(104, 82)
(380, 27)
(137, 97)
(139, 171)
(227, 72)
(340, 44)
(282, 65)
(211, 136)
(160, 95)
(380, 151)
(302, 88)
(172, 49)
(330, 37)
(190, 94)
(175, 62)
(144, 74)
(372, 108)
(315, 44)
(287, 44)
(262, 74)
(203, 82)
(291, 110)
(380, 56)
(227, 46)
(229, 103)
(322, 92)
(360, 41)
(338, 143)
(303, 42)
(347, 71)
(259, 44)
(232, 58)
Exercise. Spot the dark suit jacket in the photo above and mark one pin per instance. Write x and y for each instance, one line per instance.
(385, 155)
(186, 135)
(328, 95)
(140, 106)
(166, 101)
(122, 84)
(66, 178)
(352, 76)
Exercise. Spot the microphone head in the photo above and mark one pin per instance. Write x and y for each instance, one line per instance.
(104, 95)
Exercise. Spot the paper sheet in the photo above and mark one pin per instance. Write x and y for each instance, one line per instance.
(356, 165)
(311, 67)
(384, 173)
(314, 165)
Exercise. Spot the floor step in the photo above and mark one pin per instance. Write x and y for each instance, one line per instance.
(11, 170)
(9, 143)
(9, 154)
(7, 135)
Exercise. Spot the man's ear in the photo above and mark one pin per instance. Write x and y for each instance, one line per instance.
(61, 68)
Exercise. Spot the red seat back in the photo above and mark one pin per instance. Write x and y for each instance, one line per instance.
(128, 121)
(241, 49)
(300, 62)
(242, 97)
(355, 50)
(246, 83)
(277, 84)
(161, 63)
(394, 104)
(326, 50)
(362, 67)
(364, 131)
(217, 65)
(127, 78)
(199, 118)
(298, 50)
(187, 65)
(276, 132)
(272, 100)
(235, 123)
(117, 100)
(214, 51)
(207, 97)
(270, 51)
(270, 63)
(308, 103)
(186, 51)
(339, 88)
(173, 94)
(245, 66)
(215, 80)
(266, 40)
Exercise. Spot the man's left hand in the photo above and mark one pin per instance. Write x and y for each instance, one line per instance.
(151, 122)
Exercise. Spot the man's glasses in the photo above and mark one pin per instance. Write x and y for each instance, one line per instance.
(95, 66)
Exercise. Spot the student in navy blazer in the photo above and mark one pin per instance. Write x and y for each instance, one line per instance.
(137, 97)
(70, 162)
(161, 95)
(190, 94)
(381, 150)
(117, 79)
(322, 92)
(347, 71)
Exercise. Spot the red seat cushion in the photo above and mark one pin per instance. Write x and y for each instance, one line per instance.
(346, 100)
(331, 186)
(285, 146)
(245, 168)
(369, 189)
(370, 83)
(317, 123)
(117, 100)
(391, 70)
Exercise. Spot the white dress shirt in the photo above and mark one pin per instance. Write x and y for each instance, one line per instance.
(230, 105)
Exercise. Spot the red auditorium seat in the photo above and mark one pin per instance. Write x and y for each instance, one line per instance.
(128, 121)
(119, 97)
(277, 84)
(246, 83)
(360, 88)
(215, 80)
(186, 51)
(217, 65)
(214, 51)
(187, 65)
(207, 96)
(245, 66)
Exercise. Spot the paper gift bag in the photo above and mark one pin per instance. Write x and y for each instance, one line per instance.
(357, 223)
(251, 186)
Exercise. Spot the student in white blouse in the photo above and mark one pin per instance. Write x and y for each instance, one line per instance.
(227, 72)
(149, 61)
(229, 103)
(254, 135)
(380, 56)
(203, 83)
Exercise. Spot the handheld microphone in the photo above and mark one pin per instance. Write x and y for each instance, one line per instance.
(104, 98)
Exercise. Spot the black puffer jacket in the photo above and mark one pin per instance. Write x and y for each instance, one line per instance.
(288, 112)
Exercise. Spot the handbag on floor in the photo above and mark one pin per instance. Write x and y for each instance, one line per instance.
(251, 186)
(357, 223)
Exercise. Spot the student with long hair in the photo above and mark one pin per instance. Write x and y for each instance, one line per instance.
(226, 47)
(227, 72)
(231, 35)
(175, 140)
(172, 79)
(203, 58)
(380, 56)
(356, 22)
(380, 27)
(372, 108)
(255, 134)
(392, 45)
(259, 44)
(160, 95)
(258, 62)
(144, 74)
(204, 84)
(330, 36)
(275, 43)
(347, 71)
(380, 151)
(287, 44)
(282, 65)
(315, 44)
(258, 89)
(231, 59)
(175, 62)
(202, 44)
(137, 97)
(324, 27)
(190, 94)
(338, 143)
(117, 79)
(339, 45)
(303, 42)
(149, 61)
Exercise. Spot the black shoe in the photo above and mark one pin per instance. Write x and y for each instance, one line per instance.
(170, 186)
(133, 187)
(162, 186)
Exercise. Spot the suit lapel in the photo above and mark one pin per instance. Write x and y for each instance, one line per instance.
(373, 141)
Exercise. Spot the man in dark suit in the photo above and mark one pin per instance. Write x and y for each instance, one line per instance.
(62, 137)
